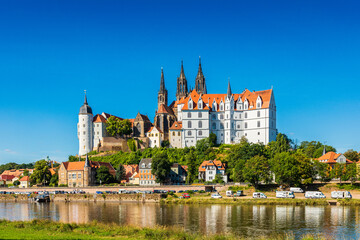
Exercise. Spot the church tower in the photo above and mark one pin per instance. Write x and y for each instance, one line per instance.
(85, 128)
(181, 90)
(200, 86)
(163, 94)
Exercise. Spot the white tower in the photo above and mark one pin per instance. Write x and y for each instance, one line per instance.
(85, 128)
(229, 105)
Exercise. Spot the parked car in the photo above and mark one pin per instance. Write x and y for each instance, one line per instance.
(216, 195)
(341, 194)
(229, 193)
(180, 191)
(285, 194)
(99, 192)
(259, 195)
(186, 195)
(239, 193)
(314, 194)
(296, 190)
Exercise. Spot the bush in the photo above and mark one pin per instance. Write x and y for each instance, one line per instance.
(63, 185)
(131, 144)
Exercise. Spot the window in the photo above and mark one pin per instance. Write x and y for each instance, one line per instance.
(189, 133)
(189, 124)
(238, 126)
(221, 107)
(232, 125)
(245, 125)
(74, 175)
(84, 132)
(200, 124)
(83, 125)
(173, 134)
(178, 133)
(189, 114)
(221, 116)
(258, 113)
(245, 134)
(69, 175)
(210, 172)
(200, 115)
(258, 133)
(200, 106)
(227, 125)
(245, 115)
(221, 126)
(97, 133)
(200, 133)
(213, 117)
(227, 115)
(156, 134)
(210, 178)
(214, 126)
(79, 175)
(190, 105)
(258, 124)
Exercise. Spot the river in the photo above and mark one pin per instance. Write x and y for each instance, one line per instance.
(339, 222)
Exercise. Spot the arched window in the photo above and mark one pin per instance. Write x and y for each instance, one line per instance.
(200, 124)
(214, 126)
(173, 134)
(221, 107)
(258, 113)
(189, 124)
(245, 125)
(221, 126)
(227, 125)
(189, 133)
(200, 115)
(200, 105)
(258, 124)
(189, 114)
(221, 116)
(213, 116)
(200, 133)
(245, 115)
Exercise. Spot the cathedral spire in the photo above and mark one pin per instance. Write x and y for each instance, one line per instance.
(200, 80)
(162, 81)
(229, 90)
(182, 89)
(162, 94)
(85, 100)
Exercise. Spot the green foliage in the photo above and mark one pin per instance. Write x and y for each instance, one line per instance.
(218, 179)
(54, 180)
(16, 183)
(118, 128)
(120, 173)
(11, 165)
(322, 170)
(282, 144)
(132, 145)
(165, 144)
(352, 155)
(103, 175)
(73, 158)
(257, 169)
(192, 167)
(41, 174)
(160, 167)
(351, 172)
(314, 149)
(26, 173)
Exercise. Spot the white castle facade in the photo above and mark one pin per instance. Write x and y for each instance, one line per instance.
(192, 117)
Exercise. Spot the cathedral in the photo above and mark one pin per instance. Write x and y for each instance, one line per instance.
(192, 116)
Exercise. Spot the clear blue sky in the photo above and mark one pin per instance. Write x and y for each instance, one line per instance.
(50, 51)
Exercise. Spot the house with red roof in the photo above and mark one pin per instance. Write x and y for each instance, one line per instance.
(175, 135)
(209, 169)
(24, 182)
(7, 179)
(130, 170)
(333, 158)
(156, 137)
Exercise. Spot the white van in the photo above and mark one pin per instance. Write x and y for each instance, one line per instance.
(229, 193)
(314, 194)
(259, 195)
(122, 191)
(341, 194)
(285, 194)
(296, 190)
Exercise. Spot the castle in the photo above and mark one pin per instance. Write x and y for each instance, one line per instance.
(192, 117)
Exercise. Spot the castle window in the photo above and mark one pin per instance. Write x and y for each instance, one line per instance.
(178, 133)
(221, 126)
(258, 113)
(189, 114)
(83, 125)
(227, 125)
(200, 106)
(173, 134)
(221, 116)
(200, 115)
(214, 125)
(258, 133)
(221, 107)
(258, 124)
(245, 125)
(245, 115)
(156, 134)
(213, 116)
(189, 124)
(238, 126)
(97, 133)
(200, 124)
(84, 132)
(189, 133)
(200, 133)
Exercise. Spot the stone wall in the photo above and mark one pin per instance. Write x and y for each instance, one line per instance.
(114, 144)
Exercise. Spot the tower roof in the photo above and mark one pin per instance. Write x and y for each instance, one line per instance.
(229, 90)
(162, 81)
(85, 108)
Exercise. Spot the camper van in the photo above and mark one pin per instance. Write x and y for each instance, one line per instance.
(296, 190)
(341, 194)
(259, 195)
(314, 194)
(229, 193)
(285, 194)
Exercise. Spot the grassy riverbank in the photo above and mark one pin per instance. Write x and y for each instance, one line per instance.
(41, 229)
(247, 201)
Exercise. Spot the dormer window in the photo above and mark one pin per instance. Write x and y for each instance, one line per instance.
(258, 102)
(221, 106)
(246, 104)
(200, 104)
(190, 105)
(214, 107)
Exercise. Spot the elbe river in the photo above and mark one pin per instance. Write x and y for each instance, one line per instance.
(336, 222)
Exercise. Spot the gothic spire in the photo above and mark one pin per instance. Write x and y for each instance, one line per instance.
(87, 162)
(229, 91)
(162, 82)
(182, 73)
(85, 100)
(200, 73)
(200, 80)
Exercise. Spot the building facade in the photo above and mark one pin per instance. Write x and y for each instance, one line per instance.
(146, 177)
(209, 169)
(175, 135)
(156, 137)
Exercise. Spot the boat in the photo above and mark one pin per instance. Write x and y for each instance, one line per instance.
(42, 198)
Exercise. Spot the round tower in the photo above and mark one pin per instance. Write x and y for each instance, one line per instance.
(85, 128)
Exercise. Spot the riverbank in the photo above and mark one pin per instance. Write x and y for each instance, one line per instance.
(42, 229)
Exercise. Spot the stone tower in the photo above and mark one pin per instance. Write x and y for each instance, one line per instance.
(200, 86)
(85, 128)
(87, 172)
(182, 89)
(163, 94)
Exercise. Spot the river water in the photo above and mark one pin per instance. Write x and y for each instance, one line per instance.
(337, 222)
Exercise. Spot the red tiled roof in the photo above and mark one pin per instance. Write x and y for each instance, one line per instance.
(330, 157)
(79, 166)
(165, 109)
(216, 163)
(99, 118)
(25, 179)
(176, 126)
(6, 177)
(156, 128)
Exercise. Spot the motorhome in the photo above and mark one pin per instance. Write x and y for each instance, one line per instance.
(285, 194)
(314, 194)
(229, 193)
(340, 194)
(259, 195)
(296, 190)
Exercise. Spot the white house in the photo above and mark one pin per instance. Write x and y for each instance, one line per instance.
(209, 169)
(24, 182)
(175, 133)
(156, 137)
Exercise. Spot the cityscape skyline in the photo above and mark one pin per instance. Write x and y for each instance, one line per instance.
(52, 52)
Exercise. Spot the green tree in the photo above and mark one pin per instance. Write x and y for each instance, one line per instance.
(41, 174)
(338, 172)
(118, 128)
(351, 173)
(26, 173)
(192, 167)
(16, 183)
(165, 144)
(54, 180)
(218, 179)
(120, 173)
(73, 158)
(352, 155)
(103, 175)
(322, 170)
(160, 167)
(282, 144)
(257, 169)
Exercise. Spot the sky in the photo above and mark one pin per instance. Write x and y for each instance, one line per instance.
(51, 51)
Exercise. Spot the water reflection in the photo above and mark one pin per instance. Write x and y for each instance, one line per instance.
(335, 221)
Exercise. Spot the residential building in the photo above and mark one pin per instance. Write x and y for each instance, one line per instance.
(209, 169)
(24, 182)
(156, 137)
(146, 177)
(130, 171)
(135, 179)
(82, 173)
(6, 179)
(332, 158)
(16, 172)
(175, 135)
(177, 174)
